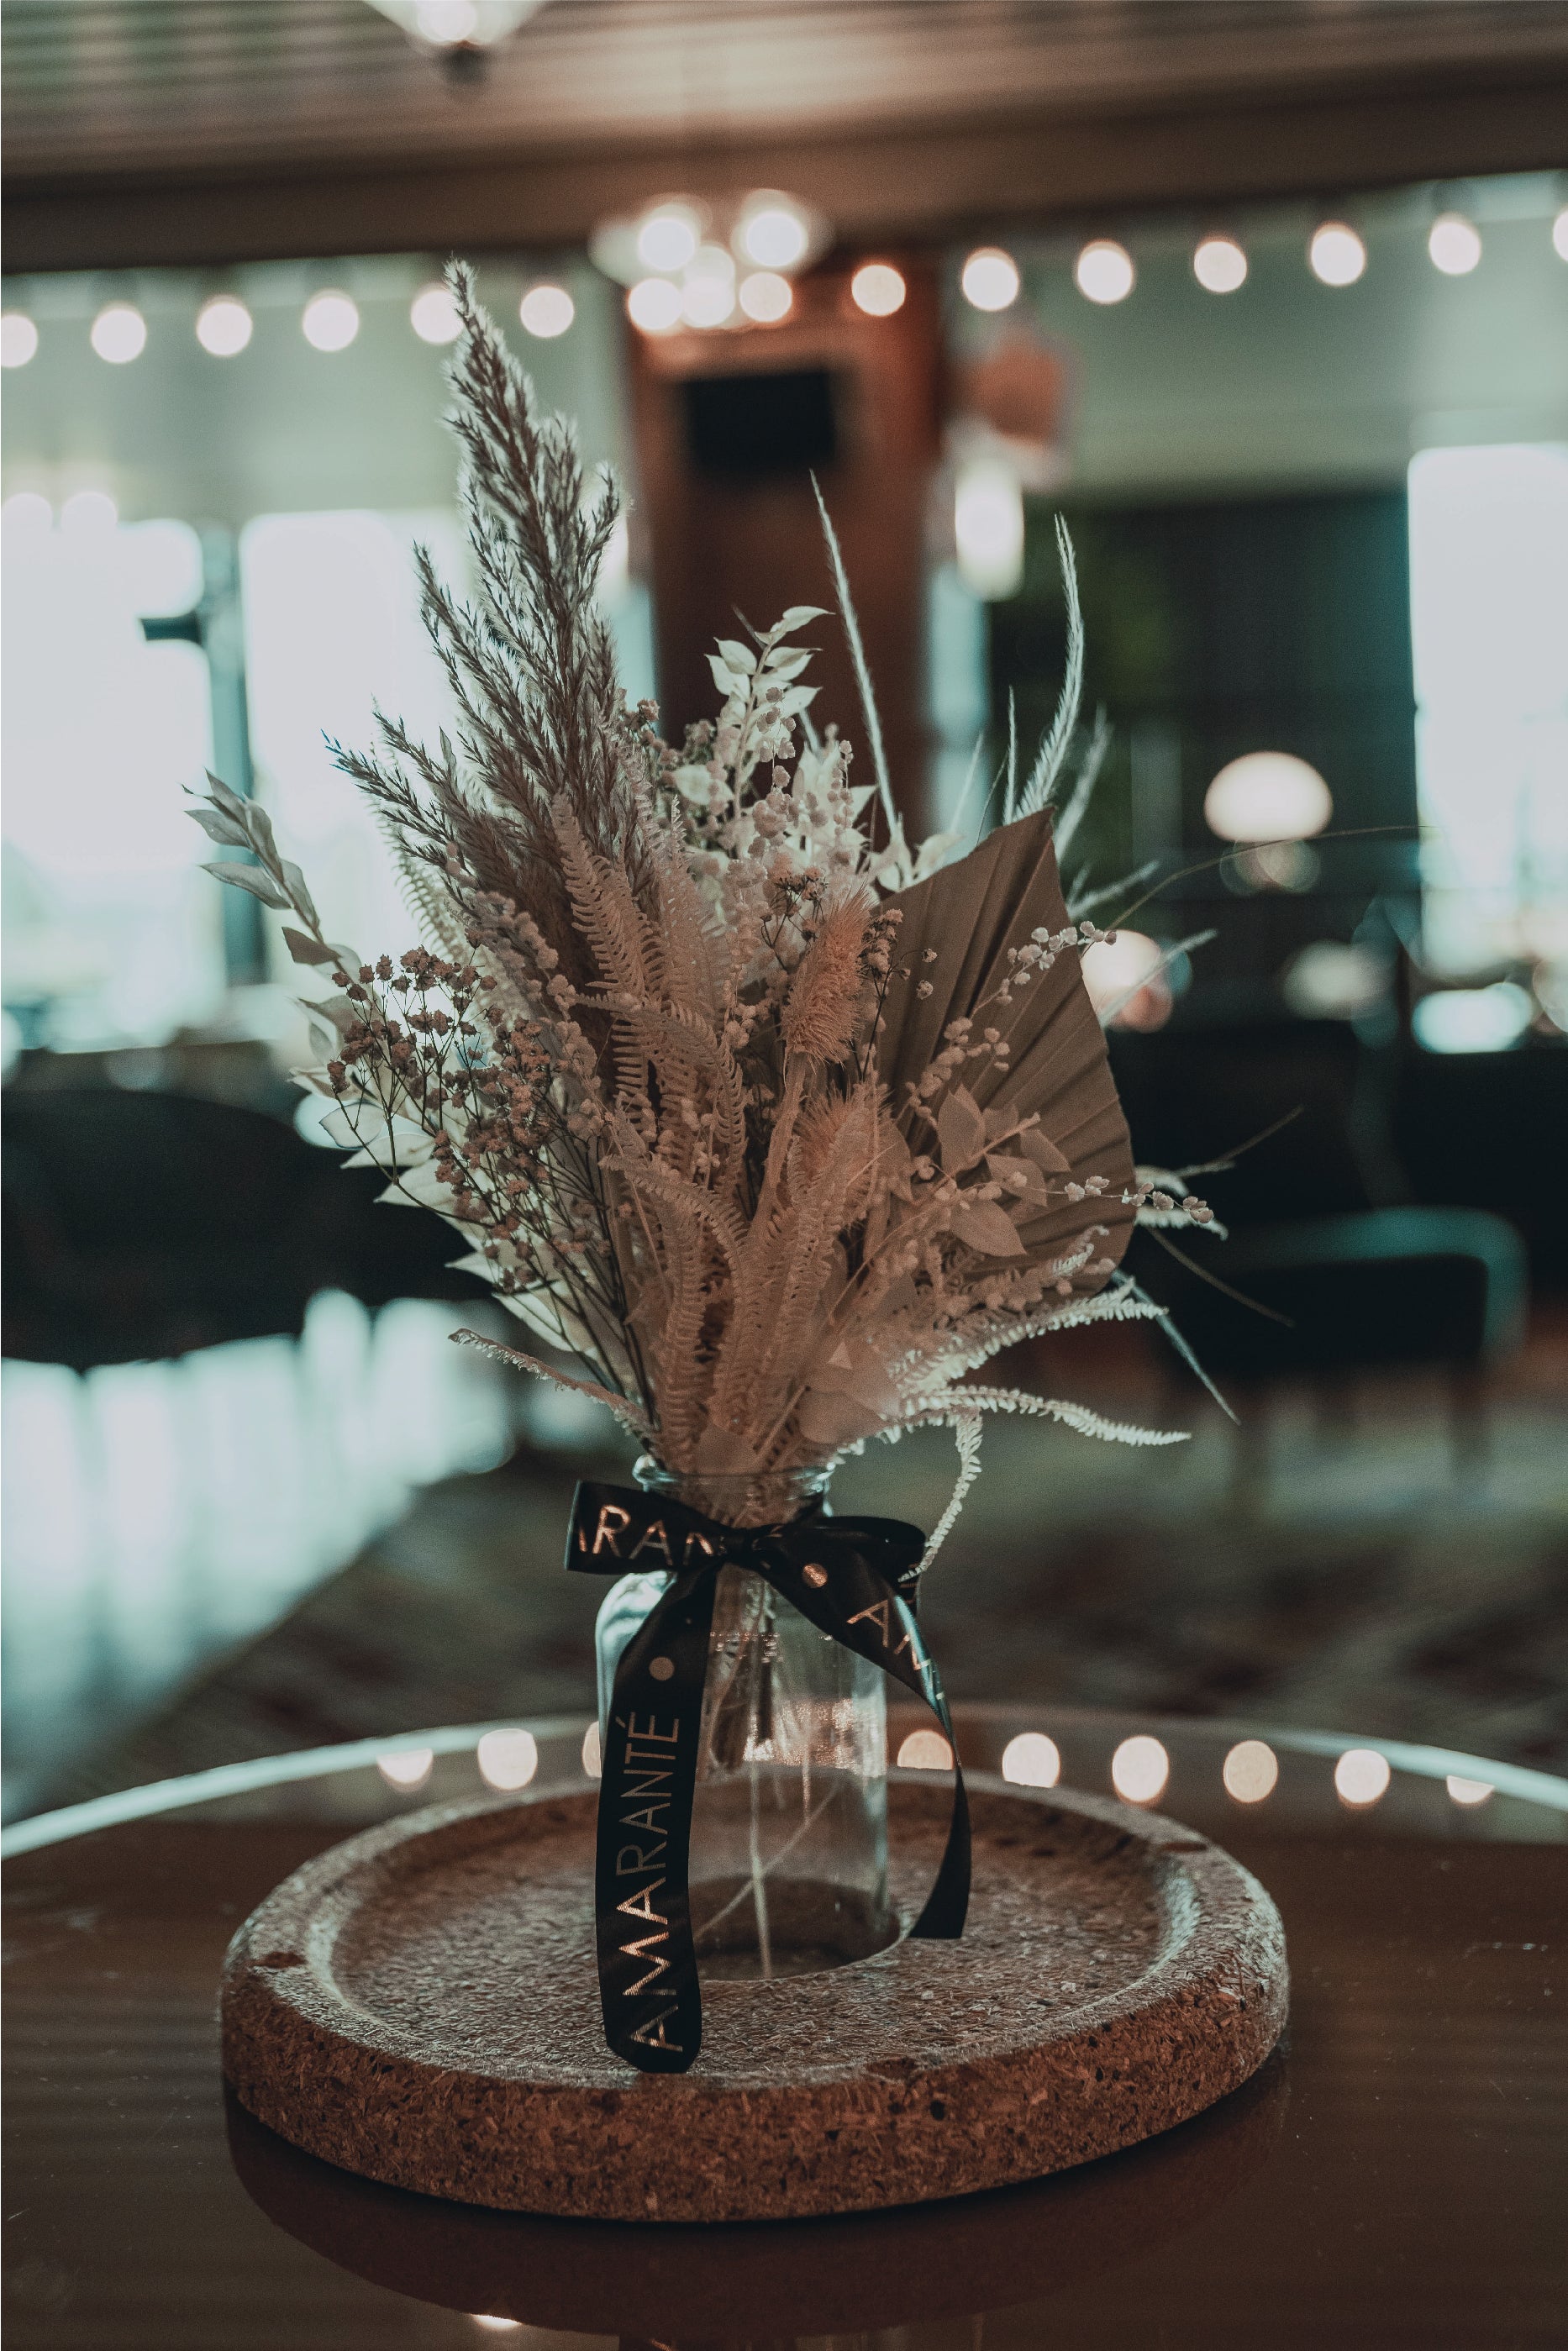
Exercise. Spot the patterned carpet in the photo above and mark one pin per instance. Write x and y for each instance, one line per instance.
(1340, 1566)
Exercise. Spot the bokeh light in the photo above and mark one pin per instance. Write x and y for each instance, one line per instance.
(1219, 265)
(1104, 271)
(592, 1753)
(654, 305)
(118, 333)
(990, 279)
(1361, 1776)
(1031, 1760)
(1469, 1792)
(18, 339)
(507, 1758)
(878, 290)
(330, 320)
(1125, 984)
(1139, 1769)
(1267, 795)
(926, 1750)
(547, 311)
(224, 326)
(707, 288)
(432, 314)
(1560, 234)
(1250, 1771)
(988, 527)
(1337, 254)
(765, 296)
(1454, 245)
(772, 232)
(669, 236)
(407, 1767)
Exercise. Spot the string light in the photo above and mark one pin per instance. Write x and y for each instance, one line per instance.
(1219, 265)
(1250, 1771)
(224, 326)
(118, 333)
(1361, 1776)
(1337, 254)
(507, 1758)
(1104, 271)
(991, 280)
(924, 1751)
(1454, 245)
(1139, 1769)
(330, 321)
(1031, 1760)
(547, 311)
(432, 315)
(18, 339)
(878, 290)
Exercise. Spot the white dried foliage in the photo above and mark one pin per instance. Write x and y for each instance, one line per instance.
(667, 1063)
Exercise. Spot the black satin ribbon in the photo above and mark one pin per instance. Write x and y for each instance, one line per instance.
(854, 1579)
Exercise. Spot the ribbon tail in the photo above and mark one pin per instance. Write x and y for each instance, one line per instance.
(647, 1964)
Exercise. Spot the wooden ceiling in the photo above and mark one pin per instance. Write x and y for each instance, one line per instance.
(149, 131)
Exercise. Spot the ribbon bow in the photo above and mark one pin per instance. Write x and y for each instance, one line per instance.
(855, 1580)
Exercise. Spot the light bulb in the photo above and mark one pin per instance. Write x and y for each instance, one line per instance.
(878, 290)
(1454, 244)
(1337, 254)
(547, 311)
(991, 280)
(765, 297)
(772, 232)
(18, 339)
(1219, 265)
(668, 238)
(432, 315)
(224, 326)
(118, 333)
(330, 321)
(654, 305)
(1104, 271)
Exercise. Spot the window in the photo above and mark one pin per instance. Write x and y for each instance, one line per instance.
(1489, 602)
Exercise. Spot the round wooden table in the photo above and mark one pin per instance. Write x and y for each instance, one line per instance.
(1397, 2176)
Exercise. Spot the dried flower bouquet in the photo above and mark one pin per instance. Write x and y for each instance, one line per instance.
(780, 1129)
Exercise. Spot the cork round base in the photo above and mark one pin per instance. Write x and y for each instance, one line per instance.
(419, 2005)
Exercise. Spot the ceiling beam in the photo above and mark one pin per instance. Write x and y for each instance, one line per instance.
(907, 186)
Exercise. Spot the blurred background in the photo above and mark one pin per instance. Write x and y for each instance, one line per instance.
(1270, 304)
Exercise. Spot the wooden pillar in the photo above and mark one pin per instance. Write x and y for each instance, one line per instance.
(729, 427)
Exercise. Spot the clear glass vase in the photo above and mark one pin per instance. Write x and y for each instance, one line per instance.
(789, 1851)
